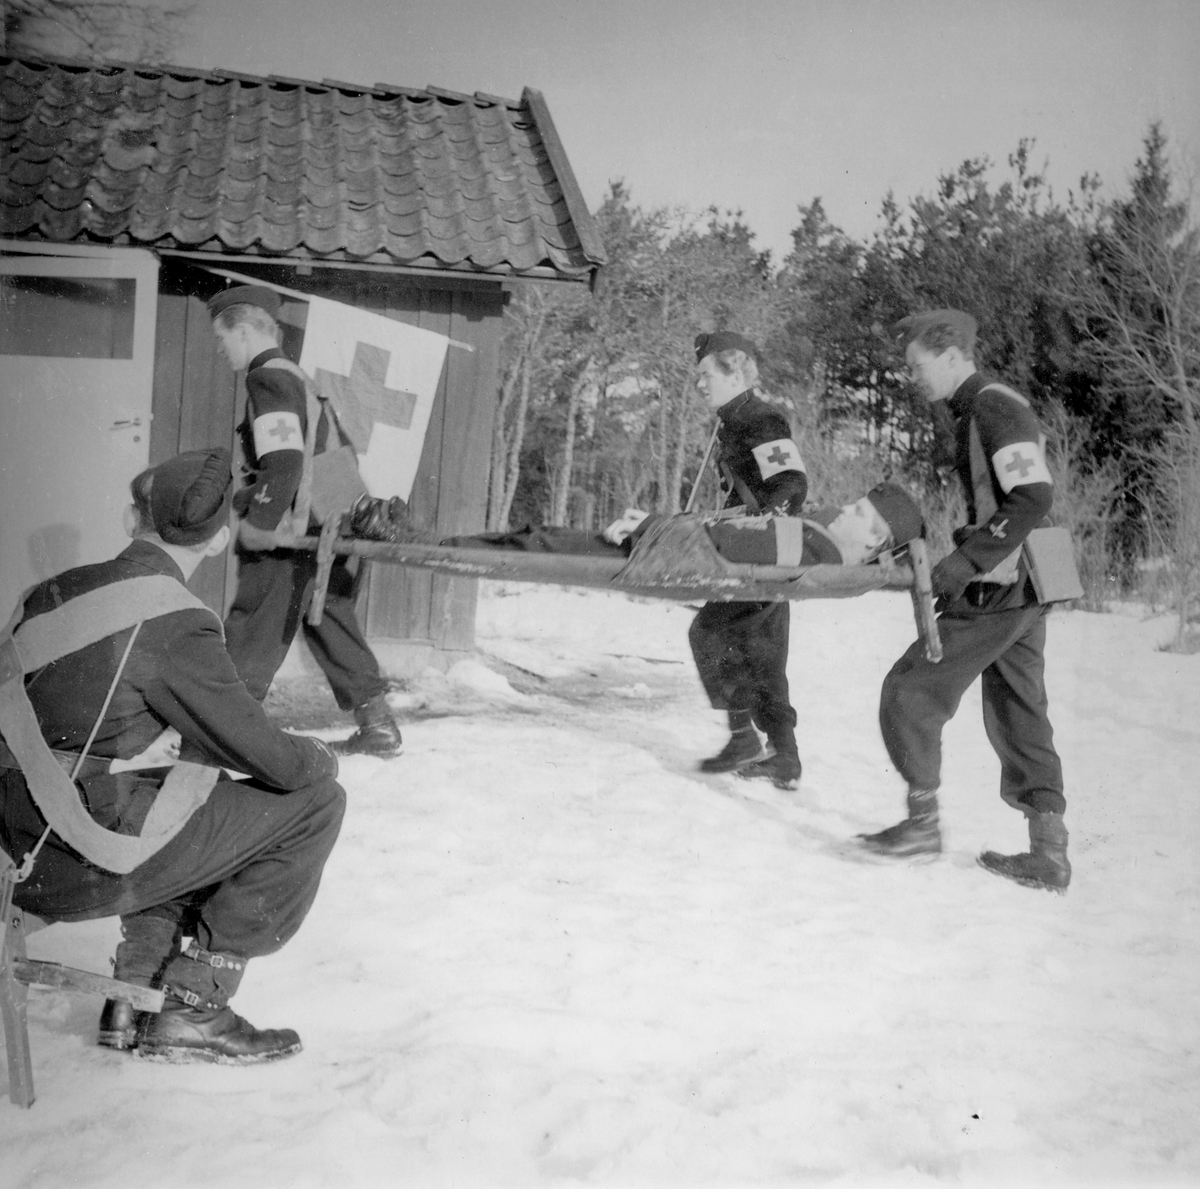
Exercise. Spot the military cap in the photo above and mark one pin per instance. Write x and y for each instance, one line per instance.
(960, 328)
(189, 495)
(723, 340)
(250, 295)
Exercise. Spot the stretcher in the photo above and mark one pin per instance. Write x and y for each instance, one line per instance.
(675, 560)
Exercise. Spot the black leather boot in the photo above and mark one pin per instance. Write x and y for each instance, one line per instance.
(1045, 866)
(918, 834)
(150, 942)
(377, 734)
(782, 770)
(744, 746)
(374, 519)
(197, 1025)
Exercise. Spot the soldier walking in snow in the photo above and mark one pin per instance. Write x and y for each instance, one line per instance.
(741, 649)
(991, 623)
(275, 583)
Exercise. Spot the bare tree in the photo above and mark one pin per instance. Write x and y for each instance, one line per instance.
(95, 30)
(1173, 511)
(527, 325)
(1142, 313)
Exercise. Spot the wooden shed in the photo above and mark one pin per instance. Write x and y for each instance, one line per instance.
(123, 187)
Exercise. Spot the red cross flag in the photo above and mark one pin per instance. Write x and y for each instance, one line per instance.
(381, 377)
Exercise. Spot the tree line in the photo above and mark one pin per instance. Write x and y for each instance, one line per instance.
(1091, 307)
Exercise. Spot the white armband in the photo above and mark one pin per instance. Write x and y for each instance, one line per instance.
(277, 431)
(1020, 463)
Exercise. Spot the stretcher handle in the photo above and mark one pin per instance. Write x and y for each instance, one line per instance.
(712, 441)
(922, 597)
(325, 555)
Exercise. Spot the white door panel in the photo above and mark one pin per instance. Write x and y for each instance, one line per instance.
(76, 379)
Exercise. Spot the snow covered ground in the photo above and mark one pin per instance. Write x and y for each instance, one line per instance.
(548, 952)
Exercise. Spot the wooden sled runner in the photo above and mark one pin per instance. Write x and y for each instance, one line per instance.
(674, 560)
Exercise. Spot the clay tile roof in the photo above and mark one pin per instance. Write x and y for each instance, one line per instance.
(217, 161)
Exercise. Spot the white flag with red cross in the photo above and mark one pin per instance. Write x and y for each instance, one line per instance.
(381, 377)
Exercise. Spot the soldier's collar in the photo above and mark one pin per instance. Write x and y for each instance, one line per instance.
(730, 407)
(968, 389)
(263, 356)
(145, 553)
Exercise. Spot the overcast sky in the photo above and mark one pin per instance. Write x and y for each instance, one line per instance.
(764, 105)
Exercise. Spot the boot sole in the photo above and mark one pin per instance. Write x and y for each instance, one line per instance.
(343, 750)
(189, 1055)
(788, 786)
(866, 851)
(1036, 884)
(725, 769)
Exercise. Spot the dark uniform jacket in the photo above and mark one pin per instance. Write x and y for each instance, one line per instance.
(758, 460)
(272, 438)
(178, 675)
(1009, 474)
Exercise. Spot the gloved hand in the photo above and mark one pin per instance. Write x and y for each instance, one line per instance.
(616, 532)
(951, 576)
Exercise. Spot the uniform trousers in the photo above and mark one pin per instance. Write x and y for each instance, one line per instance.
(239, 877)
(741, 652)
(919, 698)
(275, 588)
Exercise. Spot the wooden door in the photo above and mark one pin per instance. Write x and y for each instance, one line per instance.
(76, 367)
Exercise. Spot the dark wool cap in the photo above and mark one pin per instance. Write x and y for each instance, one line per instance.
(189, 495)
(249, 295)
(899, 510)
(961, 327)
(723, 340)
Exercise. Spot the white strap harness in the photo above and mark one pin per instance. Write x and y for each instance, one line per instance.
(46, 638)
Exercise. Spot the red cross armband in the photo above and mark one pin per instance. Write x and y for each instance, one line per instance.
(277, 431)
(780, 455)
(1019, 464)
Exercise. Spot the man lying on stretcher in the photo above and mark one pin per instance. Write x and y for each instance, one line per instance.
(854, 534)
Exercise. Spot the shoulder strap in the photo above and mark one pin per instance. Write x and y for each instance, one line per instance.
(981, 477)
(90, 617)
(46, 638)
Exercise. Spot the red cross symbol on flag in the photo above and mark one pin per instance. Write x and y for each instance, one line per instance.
(362, 398)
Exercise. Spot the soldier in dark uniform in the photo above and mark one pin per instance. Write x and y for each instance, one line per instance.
(741, 649)
(242, 870)
(275, 583)
(991, 621)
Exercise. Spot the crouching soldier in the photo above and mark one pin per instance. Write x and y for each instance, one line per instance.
(102, 660)
(741, 649)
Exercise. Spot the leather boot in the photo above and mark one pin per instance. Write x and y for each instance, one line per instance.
(918, 834)
(374, 519)
(744, 746)
(197, 1025)
(1045, 866)
(782, 763)
(377, 734)
(782, 770)
(150, 942)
